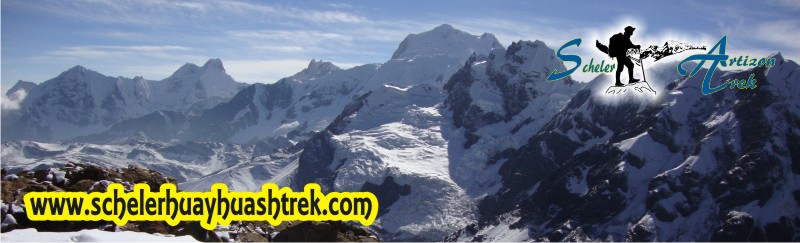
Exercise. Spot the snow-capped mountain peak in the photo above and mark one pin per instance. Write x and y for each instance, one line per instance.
(75, 69)
(531, 59)
(81, 101)
(78, 73)
(189, 69)
(185, 70)
(444, 40)
(214, 63)
(21, 85)
(193, 82)
(315, 70)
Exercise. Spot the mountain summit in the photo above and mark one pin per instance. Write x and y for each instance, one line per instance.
(292, 109)
(191, 84)
(316, 69)
(81, 101)
(444, 40)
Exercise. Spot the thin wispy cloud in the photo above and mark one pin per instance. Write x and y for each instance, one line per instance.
(97, 52)
(265, 41)
(329, 16)
(298, 36)
(784, 32)
(792, 4)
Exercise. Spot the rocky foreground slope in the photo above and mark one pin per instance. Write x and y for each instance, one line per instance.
(74, 177)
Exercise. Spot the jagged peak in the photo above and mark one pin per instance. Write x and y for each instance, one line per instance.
(525, 46)
(316, 68)
(79, 70)
(778, 57)
(21, 85)
(186, 68)
(444, 28)
(444, 40)
(214, 63)
(75, 69)
(320, 64)
(211, 64)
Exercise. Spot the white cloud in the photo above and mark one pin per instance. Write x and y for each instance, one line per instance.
(160, 13)
(297, 36)
(13, 101)
(290, 44)
(339, 5)
(793, 4)
(246, 8)
(170, 52)
(783, 32)
(330, 16)
(391, 30)
(282, 49)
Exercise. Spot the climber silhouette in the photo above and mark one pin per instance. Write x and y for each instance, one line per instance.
(618, 47)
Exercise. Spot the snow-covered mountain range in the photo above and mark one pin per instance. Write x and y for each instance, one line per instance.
(682, 167)
(459, 137)
(81, 101)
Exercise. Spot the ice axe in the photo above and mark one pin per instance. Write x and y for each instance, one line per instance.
(644, 78)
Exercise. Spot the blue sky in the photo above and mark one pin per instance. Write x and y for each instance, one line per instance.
(261, 41)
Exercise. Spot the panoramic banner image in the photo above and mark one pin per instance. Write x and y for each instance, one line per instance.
(421, 121)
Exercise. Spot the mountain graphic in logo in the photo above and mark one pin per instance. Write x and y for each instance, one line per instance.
(627, 54)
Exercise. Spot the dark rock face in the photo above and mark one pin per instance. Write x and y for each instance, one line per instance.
(319, 150)
(737, 226)
(517, 77)
(387, 193)
(315, 159)
(694, 164)
(640, 233)
(460, 101)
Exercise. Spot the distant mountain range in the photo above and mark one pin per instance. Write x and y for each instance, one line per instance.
(459, 137)
(81, 101)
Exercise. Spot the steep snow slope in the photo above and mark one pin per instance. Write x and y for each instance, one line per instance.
(432, 57)
(428, 154)
(684, 167)
(497, 103)
(392, 140)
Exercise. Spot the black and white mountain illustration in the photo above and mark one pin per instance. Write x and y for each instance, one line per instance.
(460, 138)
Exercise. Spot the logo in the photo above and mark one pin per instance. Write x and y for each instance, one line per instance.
(722, 59)
(625, 55)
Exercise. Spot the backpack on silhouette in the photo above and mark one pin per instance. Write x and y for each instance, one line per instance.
(616, 45)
